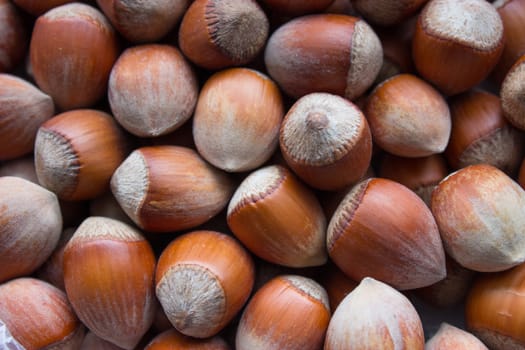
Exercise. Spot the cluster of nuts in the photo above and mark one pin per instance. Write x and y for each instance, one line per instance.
(271, 174)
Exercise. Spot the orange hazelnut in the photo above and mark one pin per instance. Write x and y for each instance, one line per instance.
(143, 21)
(218, 34)
(481, 134)
(152, 90)
(297, 8)
(39, 316)
(494, 310)
(449, 337)
(173, 340)
(170, 188)
(93, 342)
(109, 274)
(23, 108)
(512, 13)
(326, 141)
(457, 43)
(420, 175)
(76, 152)
(39, 7)
(408, 117)
(288, 312)
(331, 53)
(278, 218)
(72, 50)
(383, 230)
(374, 316)
(14, 36)
(387, 12)
(30, 229)
(480, 212)
(228, 129)
(511, 93)
(203, 279)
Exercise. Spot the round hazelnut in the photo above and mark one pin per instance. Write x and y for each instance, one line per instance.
(383, 230)
(480, 212)
(457, 43)
(449, 337)
(331, 53)
(408, 117)
(387, 12)
(152, 90)
(270, 320)
(237, 119)
(109, 273)
(203, 279)
(278, 218)
(217, 34)
(76, 152)
(169, 188)
(326, 141)
(73, 73)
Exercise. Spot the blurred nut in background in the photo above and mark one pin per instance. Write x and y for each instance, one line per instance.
(173, 340)
(331, 53)
(480, 212)
(326, 141)
(278, 218)
(387, 12)
(39, 315)
(14, 36)
(152, 90)
(511, 94)
(218, 34)
(170, 188)
(109, 273)
(237, 119)
(23, 108)
(76, 152)
(288, 312)
(30, 229)
(408, 117)
(143, 21)
(203, 279)
(73, 73)
(457, 43)
(383, 230)
(39, 7)
(297, 8)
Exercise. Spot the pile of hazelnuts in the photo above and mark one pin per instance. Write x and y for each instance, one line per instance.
(271, 174)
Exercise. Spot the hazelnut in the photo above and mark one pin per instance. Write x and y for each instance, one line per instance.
(331, 53)
(457, 43)
(387, 12)
(109, 274)
(39, 7)
(23, 167)
(76, 152)
(278, 218)
(511, 94)
(383, 230)
(39, 316)
(392, 322)
(169, 188)
(228, 127)
(171, 339)
(449, 337)
(23, 108)
(31, 226)
(203, 279)
(271, 318)
(480, 212)
(14, 36)
(326, 141)
(73, 73)
(218, 34)
(92, 341)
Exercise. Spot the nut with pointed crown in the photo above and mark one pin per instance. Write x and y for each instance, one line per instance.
(449, 337)
(203, 279)
(169, 188)
(384, 230)
(109, 274)
(288, 312)
(326, 141)
(278, 218)
(392, 322)
(39, 315)
(217, 34)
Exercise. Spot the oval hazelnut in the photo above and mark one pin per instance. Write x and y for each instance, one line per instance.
(14, 37)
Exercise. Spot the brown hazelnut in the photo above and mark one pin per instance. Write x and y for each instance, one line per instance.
(14, 36)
